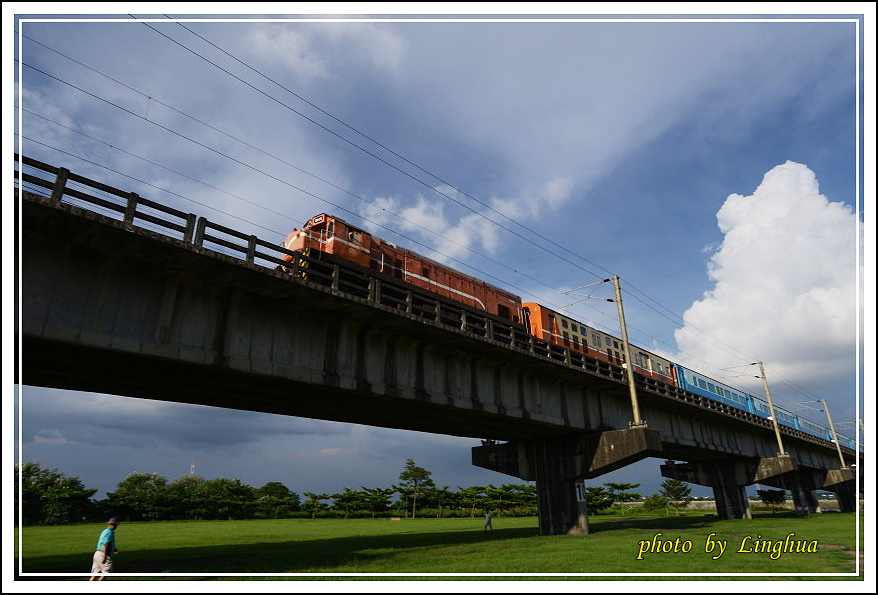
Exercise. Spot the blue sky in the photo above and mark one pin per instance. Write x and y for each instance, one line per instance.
(712, 165)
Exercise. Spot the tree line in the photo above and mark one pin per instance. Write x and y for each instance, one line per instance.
(49, 497)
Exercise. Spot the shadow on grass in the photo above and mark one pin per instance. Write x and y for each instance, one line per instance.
(318, 555)
(598, 524)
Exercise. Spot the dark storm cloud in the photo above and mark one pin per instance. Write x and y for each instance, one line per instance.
(94, 420)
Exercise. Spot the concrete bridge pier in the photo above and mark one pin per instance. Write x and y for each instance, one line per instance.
(783, 472)
(558, 509)
(557, 464)
(728, 478)
(803, 494)
(841, 481)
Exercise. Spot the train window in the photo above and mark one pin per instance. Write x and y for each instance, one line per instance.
(616, 344)
(582, 330)
(563, 323)
(425, 272)
(711, 387)
(503, 311)
(702, 384)
(551, 324)
(330, 228)
(355, 237)
(719, 391)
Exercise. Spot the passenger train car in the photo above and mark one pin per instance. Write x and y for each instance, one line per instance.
(698, 383)
(332, 238)
(553, 327)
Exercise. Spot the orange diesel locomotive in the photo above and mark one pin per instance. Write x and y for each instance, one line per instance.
(334, 236)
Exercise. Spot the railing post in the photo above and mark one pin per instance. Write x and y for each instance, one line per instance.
(463, 320)
(297, 264)
(199, 232)
(336, 273)
(131, 207)
(60, 184)
(251, 250)
(374, 290)
(189, 234)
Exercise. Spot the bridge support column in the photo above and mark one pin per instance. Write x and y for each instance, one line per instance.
(557, 464)
(727, 478)
(730, 496)
(558, 510)
(803, 495)
(841, 481)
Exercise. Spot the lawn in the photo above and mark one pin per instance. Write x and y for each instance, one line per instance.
(618, 547)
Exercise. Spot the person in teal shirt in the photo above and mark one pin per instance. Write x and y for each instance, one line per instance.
(102, 562)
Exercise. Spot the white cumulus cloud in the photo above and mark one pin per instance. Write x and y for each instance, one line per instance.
(785, 281)
(453, 233)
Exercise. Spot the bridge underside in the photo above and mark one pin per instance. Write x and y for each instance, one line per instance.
(115, 309)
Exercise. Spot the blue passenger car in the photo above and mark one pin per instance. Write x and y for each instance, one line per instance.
(710, 388)
(707, 387)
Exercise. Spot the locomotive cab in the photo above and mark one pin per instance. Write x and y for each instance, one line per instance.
(332, 236)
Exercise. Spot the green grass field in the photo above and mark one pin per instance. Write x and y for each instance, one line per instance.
(194, 549)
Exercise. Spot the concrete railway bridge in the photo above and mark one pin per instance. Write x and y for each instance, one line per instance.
(126, 296)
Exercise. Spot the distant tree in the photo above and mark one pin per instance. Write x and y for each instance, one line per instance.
(230, 498)
(504, 498)
(141, 496)
(525, 498)
(677, 493)
(444, 498)
(51, 498)
(655, 502)
(772, 498)
(275, 500)
(473, 496)
(620, 493)
(314, 503)
(348, 501)
(377, 499)
(188, 499)
(597, 498)
(414, 481)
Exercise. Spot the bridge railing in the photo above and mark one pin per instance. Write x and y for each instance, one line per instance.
(246, 247)
(65, 187)
(128, 207)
